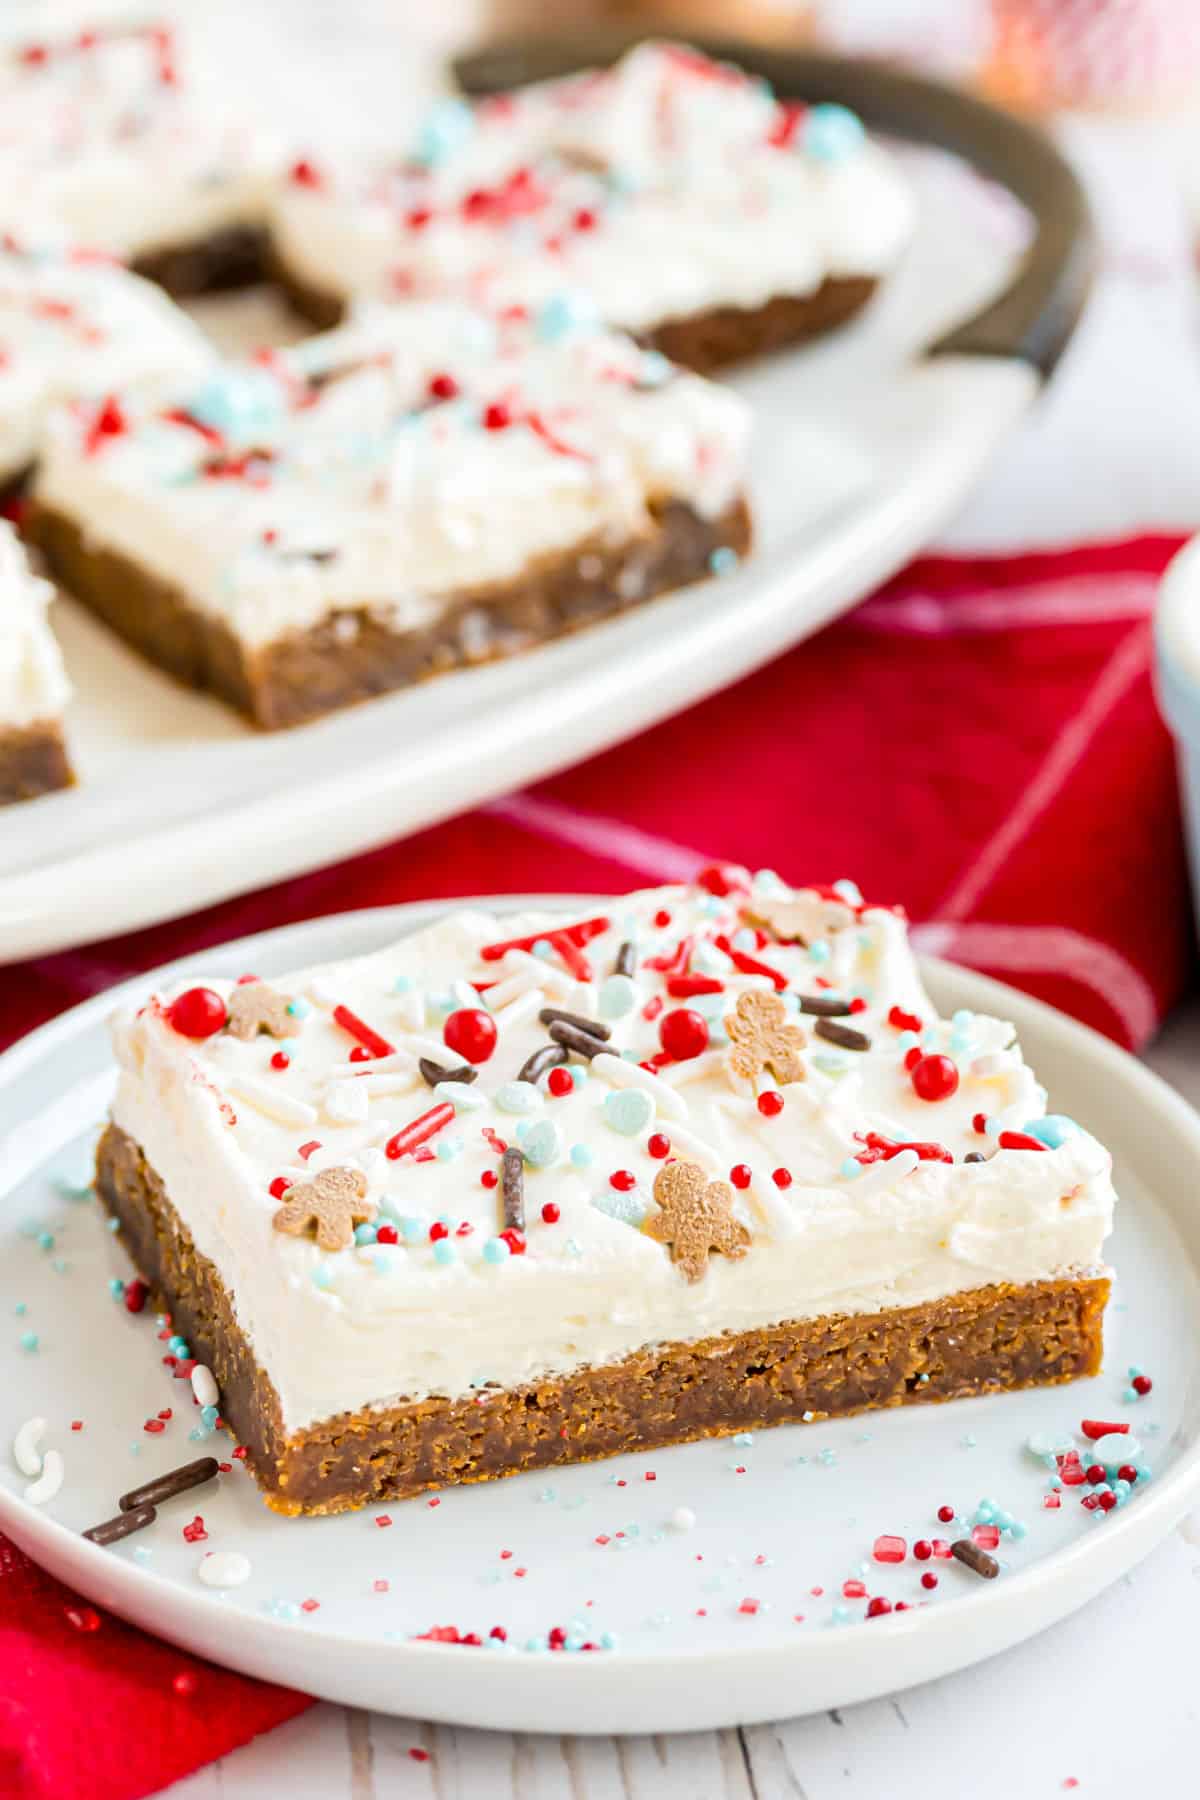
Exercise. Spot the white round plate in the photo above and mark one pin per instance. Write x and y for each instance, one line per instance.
(730, 1621)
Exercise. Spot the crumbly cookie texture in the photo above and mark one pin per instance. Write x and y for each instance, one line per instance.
(401, 474)
(33, 683)
(666, 1197)
(670, 189)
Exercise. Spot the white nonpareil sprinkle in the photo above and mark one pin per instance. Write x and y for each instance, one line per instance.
(26, 1454)
(273, 1101)
(682, 1519)
(224, 1569)
(48, 1482)
(204, 1385)
(622, 1074)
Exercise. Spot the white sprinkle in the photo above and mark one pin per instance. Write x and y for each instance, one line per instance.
(26, 1454)
(522, 981)
(323, 993)
(461, 1095)
(223, 1569)
(682, 1519)
(683, 1139)
(525, 1006)
(465, 994)
(425, 1046)
(48, 1482)
(402, 1082)
(273, 1101)
(694, 1069)
(346, 1102)
(622, 1074)
(555, 981)
(881, 1175)
(204, 1385)
(411, 1005)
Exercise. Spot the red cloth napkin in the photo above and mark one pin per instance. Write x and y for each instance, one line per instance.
(979, 740)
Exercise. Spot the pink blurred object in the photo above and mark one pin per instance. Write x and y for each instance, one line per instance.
(1124, 55)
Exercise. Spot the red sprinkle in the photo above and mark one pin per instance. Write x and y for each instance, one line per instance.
(890, 1549)
(934, 1078)
(470, 1033)
(986, 1536)
(782, 1177)
(878, 1606)
(306, 1150)
(419, 1130)
(441, 387)
(581, 932)
(923, 1549)
(770, 1103)
(1098, 1428)
(622, 1180)
(1141, 1384)
(560, 1083)
(683, 1034)
(1128, 1473)
(1107, 1500)
(304, 174)
(659, 1146)
(1019, 1140)
(387, 1234)
(741, 1175)
(903, 1021)
(945, 1514)
(281, 1060)
(515, 1241)
(195, 1533)
(723, 879)
(369, 1039)
(279, 1187)
(197, 1013)
(684, 987)
(135, 1295)
(929, 1579)
(383, 1520)
(489, 1178)
(551, 1213)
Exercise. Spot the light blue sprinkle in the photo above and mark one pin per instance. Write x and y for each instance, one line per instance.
(1133, 1371)
(628, 1110)
(546, 1496)
(142, 1553)
(365, 1234)
(543, 948)
(969, 1441)
(299, 1008)
(564, 314)
(1055, 1129)
(850, 891)
(655, 368)
(29, 1340)
(744, 939)
(542, 1144)
(45, 1240)
(443, 129)
(1129, 1396)
(745, 1438)
(116, 1287)
(908, 1040)
(723, 560)
(578, 1074)
(581, 1156)
(992, 1127)
(59, 1266)
(628, 1208)
(238, 401)
(382, 1260)
(984, 1513)
(112, 1225)
(840, 1615)
(209, 1415)
(618, 995)
(574, 1247)
(830, 133)
(709, 906)
(402, 984)
(851, 1169)
(495, 1250)
(1144, 1472)
(178, 1346)
(828, 1458)
(819, 952)
(413, 1231)
(441, 1003)
(831, 1062)
(322, 1277)
(518, 1097)
(443, 1251)
(449, 1148)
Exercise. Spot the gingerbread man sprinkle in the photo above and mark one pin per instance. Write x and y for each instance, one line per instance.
(331, 1205)
(803, 919)
(762, 1039)
(253, 1007)
(696, 1218)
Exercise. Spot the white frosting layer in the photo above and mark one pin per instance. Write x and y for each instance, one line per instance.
(670, 186)
(74, 330)
(33, 682)
(364, 489)
(101, 142)
(370, 1323)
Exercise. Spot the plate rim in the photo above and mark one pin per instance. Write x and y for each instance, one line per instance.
(117, 1583)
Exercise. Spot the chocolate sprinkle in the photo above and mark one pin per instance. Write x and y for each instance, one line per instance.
(165, 1487)
(626, 963)
(546, 1058)
(553, 1015)
(512, 1189)
(817, 1006)
(974, 1156)
(582, 1042)
(843, 1035)
(433, 1072)
(123, 1526)
(969, 1553)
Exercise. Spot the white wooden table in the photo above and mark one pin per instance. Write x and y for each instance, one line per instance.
(1106, 1704)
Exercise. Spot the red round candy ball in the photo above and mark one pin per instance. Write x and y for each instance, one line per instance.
(934, 1078)
(683, 1033)
(551, 1213)
(724, 878)
(197, 1013)
(559, 1082)
(470, 1033)
(741, 1175)
(658, 1145)
(770, 1103)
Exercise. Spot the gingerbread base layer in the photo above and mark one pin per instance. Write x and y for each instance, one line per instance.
(33, 761)
(704, 341)
(352, 655)
(232, 258)
(989, 1340)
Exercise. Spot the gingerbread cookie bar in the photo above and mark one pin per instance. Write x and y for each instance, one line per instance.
(420, 490)
(531, 1190)
(104, 140)
(33, 684)
(76, 329)
(676, 194)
